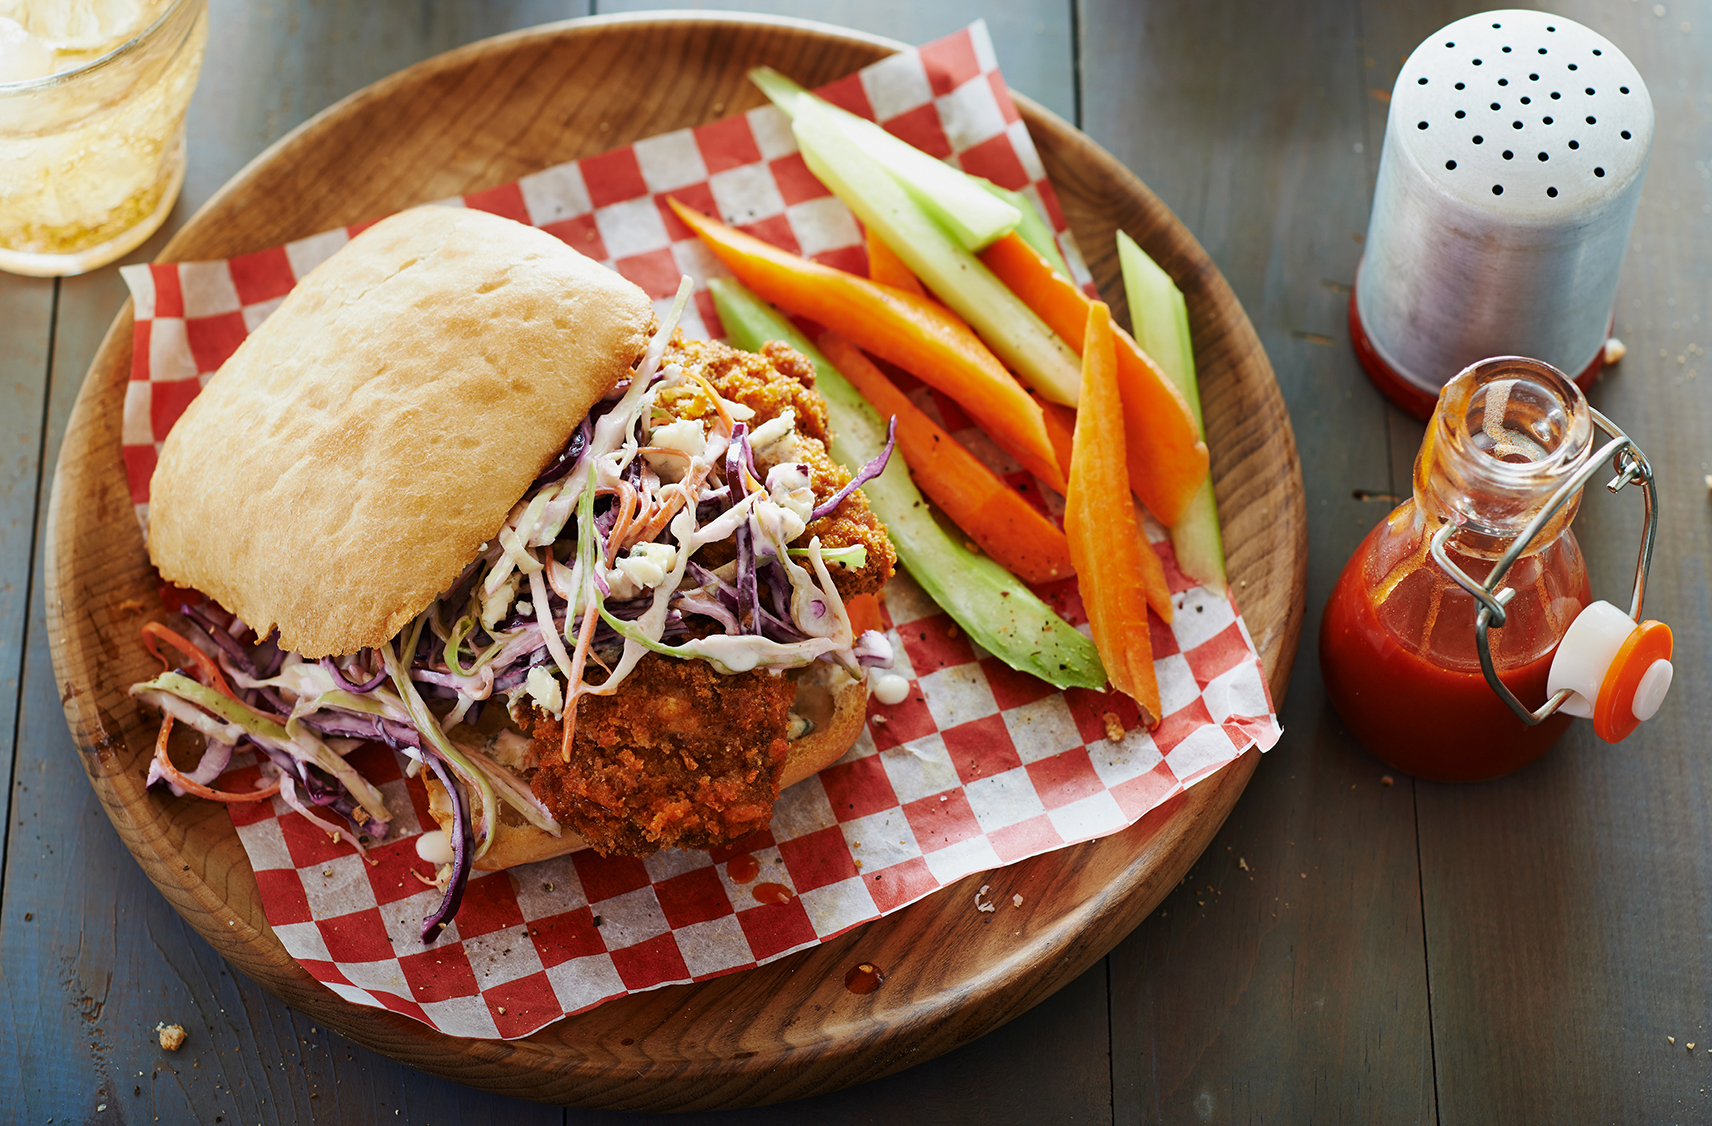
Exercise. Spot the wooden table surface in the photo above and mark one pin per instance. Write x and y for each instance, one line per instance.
(1536, 949)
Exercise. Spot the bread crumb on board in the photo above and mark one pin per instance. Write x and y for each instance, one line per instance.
(979, 906)
(171, 1036)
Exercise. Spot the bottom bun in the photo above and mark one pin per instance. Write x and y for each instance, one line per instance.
(833, 702)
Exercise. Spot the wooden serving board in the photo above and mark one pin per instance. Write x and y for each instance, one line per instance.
(488, 114)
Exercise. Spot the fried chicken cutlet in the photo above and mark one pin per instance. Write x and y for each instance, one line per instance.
(681, 755)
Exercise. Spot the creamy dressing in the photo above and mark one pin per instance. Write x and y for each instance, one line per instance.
(888, 687)
(435, 847)
(733, 654)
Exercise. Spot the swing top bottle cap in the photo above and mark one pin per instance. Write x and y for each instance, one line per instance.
(1506, 432)
(1618, 672)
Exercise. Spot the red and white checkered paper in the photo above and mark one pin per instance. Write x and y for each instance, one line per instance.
(980, 767)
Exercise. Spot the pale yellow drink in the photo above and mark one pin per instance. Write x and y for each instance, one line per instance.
(92, 101)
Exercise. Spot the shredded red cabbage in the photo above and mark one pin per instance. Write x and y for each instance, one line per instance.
(338, 724)
(463, 840)
(340, 679)
(568, 457)
(205, 627)
(867, 473)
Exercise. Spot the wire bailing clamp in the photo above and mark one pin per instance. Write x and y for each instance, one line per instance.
(1630, 466)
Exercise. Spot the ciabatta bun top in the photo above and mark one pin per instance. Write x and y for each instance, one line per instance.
(353, 455)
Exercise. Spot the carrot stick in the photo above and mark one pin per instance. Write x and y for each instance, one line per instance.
(1153, 579)
(1061, 427)
(917, 334)
(864, 612)
(1006, 526)
(888, 269)
(1167, 459)
(1099, 518)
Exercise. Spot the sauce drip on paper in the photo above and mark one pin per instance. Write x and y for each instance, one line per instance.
(773, 893)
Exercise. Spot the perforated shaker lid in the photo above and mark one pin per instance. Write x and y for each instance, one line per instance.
(1534, 116)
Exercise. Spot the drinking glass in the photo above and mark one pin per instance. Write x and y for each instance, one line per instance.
(92, 101)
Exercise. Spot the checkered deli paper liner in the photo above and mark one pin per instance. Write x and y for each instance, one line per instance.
(980, 766)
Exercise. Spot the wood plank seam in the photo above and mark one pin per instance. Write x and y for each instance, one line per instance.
(1426, 950)
(27, 601)
(1076, 58)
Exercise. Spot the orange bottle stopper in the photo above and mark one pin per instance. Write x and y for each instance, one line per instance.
(1617, 672)
(1635, 684)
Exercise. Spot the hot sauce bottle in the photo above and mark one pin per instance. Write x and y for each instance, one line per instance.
(1497, 481)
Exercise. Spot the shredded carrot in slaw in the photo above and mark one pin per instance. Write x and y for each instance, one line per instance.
(725, 418)
(680, 493)
(209, 672)
(628, 503)
(190, 785)
(578, 660)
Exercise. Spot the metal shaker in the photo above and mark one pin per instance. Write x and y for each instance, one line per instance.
(1514, 155)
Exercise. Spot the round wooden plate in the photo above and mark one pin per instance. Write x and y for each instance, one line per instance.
(490, 113)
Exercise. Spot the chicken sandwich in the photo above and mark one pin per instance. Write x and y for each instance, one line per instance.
(462, 465)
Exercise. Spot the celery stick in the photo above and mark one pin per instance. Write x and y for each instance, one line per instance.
(779, 89)
(1033, 228)
(975, 217)
(1001, 614)
(1161, 319)
(958, 278)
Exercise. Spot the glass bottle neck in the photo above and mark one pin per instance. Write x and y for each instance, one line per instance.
(1506, 434)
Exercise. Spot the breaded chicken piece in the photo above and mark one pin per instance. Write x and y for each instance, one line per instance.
(680, 756)
(767, 383)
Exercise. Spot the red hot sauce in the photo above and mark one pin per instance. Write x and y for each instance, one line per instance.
(864, 977)
(1424, 715)
(773, 893)
(1397, 643)
(743, 868)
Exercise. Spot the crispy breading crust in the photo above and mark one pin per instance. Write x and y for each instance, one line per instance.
(680, 756)
(837, 703)
(767, 383)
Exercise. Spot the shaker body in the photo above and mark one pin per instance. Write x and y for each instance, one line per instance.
(1515, 150)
